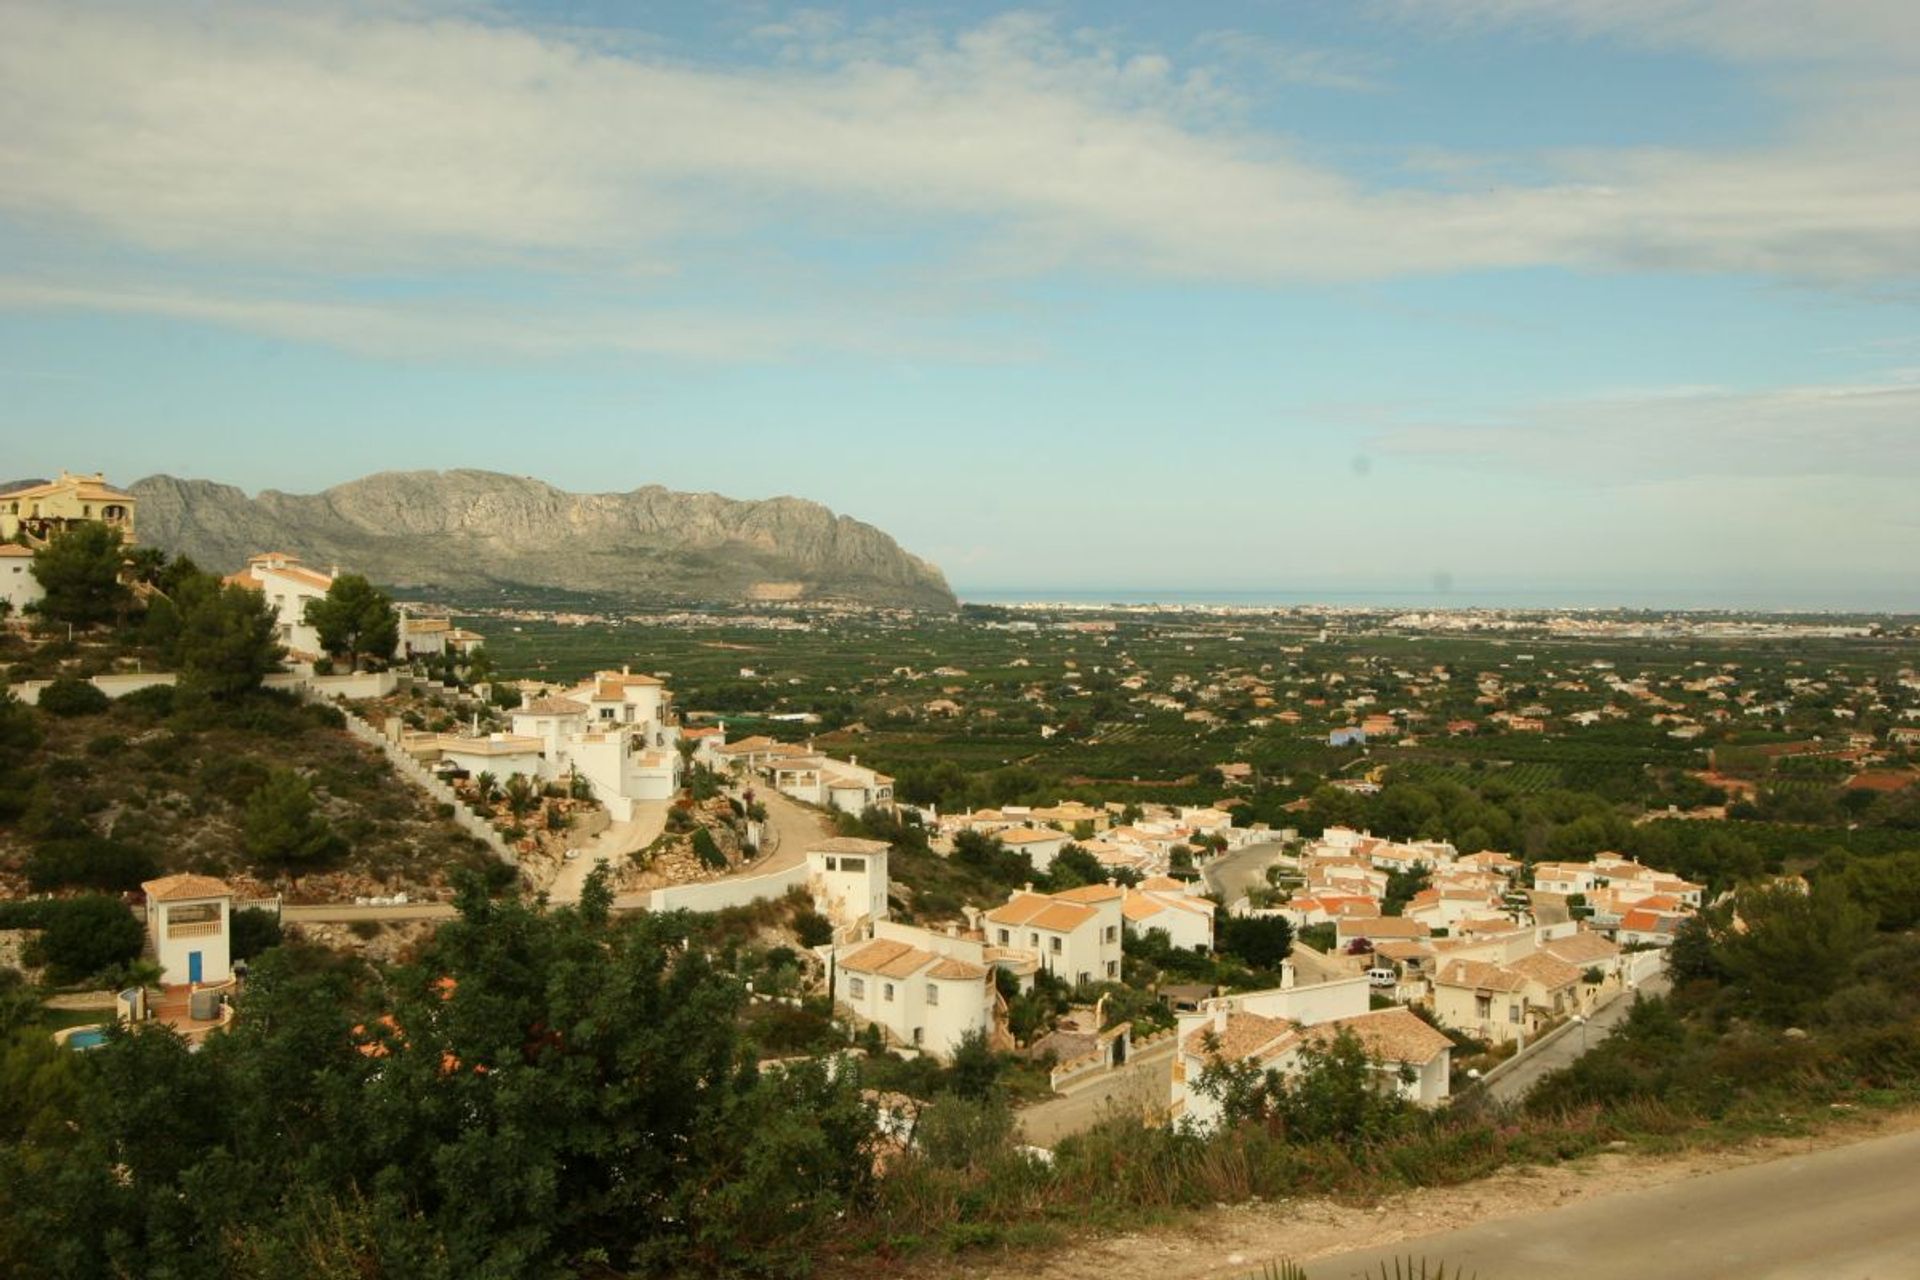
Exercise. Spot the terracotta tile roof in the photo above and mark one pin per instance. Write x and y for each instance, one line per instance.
(1090, 893)
(1480, 975)
(180, 888)
(1041, 911)
(1547, 970)
(1028, 835)
(887, 958)
(957, 971)
(848, 844)
(1388, 1035)
(554, 705)
(86, 489)
(1581, 949)
(1246, 1035)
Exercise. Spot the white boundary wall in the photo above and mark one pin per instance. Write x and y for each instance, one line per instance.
(715, 895)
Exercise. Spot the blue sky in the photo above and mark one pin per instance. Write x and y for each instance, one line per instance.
(1612, 298)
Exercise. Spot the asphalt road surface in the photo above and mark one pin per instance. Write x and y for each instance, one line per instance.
(1144, 1084)
(1561, 1053)
(1231, 874)
(1847, 1213)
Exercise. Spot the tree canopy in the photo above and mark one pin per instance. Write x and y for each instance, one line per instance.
(80, 571)
(355, 620)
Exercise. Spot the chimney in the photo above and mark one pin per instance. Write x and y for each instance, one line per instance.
(625, 669)
(1220, 1017)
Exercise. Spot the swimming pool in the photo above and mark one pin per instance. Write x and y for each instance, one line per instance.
(87, 1038)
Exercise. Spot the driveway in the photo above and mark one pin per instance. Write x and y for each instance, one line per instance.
(1846, 1213)
(1563, 1052)
(1146, 1082)
(795, 827)
(617, 841)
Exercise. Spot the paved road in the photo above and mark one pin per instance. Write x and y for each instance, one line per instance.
(1230, 875)
(795, 828)
(1514, 1085)
(1146, 1082)
(1848, 1213)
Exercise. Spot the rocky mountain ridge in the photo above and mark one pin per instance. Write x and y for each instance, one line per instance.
(473, 530)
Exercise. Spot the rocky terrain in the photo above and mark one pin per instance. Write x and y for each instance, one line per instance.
(478, 530)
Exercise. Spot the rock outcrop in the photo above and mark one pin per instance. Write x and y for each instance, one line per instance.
(472, 530)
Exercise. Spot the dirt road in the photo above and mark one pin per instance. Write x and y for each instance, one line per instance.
(1838, 1207)
(1842, 1214)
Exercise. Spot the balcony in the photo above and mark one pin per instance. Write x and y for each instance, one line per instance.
(194, 929)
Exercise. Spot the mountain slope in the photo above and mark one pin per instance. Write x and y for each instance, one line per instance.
(479, 529)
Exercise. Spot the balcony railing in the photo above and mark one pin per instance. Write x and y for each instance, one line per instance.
(194, 929)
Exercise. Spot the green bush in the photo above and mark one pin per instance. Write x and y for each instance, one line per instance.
(90, 860)
(707, 850)
(80, 938)
(69, 696)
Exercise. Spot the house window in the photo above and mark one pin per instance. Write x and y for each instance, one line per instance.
(1113, 933)
(1483, 1006)
(1056, 945)
(1005, 937)
(1033, 940)
(933, 993)
(853, 864)
(919, 1036)
(829, 864)
(1113, 968)
(856, 988)
(1513, 1013)
(887, 992)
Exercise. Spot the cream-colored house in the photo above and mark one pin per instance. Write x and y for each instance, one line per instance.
(190, 920)
(38, 512)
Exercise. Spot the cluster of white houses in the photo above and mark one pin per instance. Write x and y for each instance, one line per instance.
(290, 586)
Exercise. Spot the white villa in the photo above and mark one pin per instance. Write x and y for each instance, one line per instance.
(615, 730)
(189, 919)
(927, 990)
(1270, 1028)
(289, 587)
(1075, 935)
(18, 587)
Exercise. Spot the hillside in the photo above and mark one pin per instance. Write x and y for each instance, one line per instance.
(466, 530)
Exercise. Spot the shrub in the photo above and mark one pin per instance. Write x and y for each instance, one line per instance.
(707, 850)
(90, 860)
(82, 937)
(69, 696)
(254, 930)
(812, 928)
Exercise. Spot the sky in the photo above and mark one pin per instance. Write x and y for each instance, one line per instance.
(1613, 299)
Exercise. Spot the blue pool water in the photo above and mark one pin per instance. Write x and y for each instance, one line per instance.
(88, 1038)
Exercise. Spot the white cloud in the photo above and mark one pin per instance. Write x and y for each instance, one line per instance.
(1792, 433)
(424, 330)
(325, 142)
(1288, 63)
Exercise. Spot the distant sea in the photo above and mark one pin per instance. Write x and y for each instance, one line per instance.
(1714, 599)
